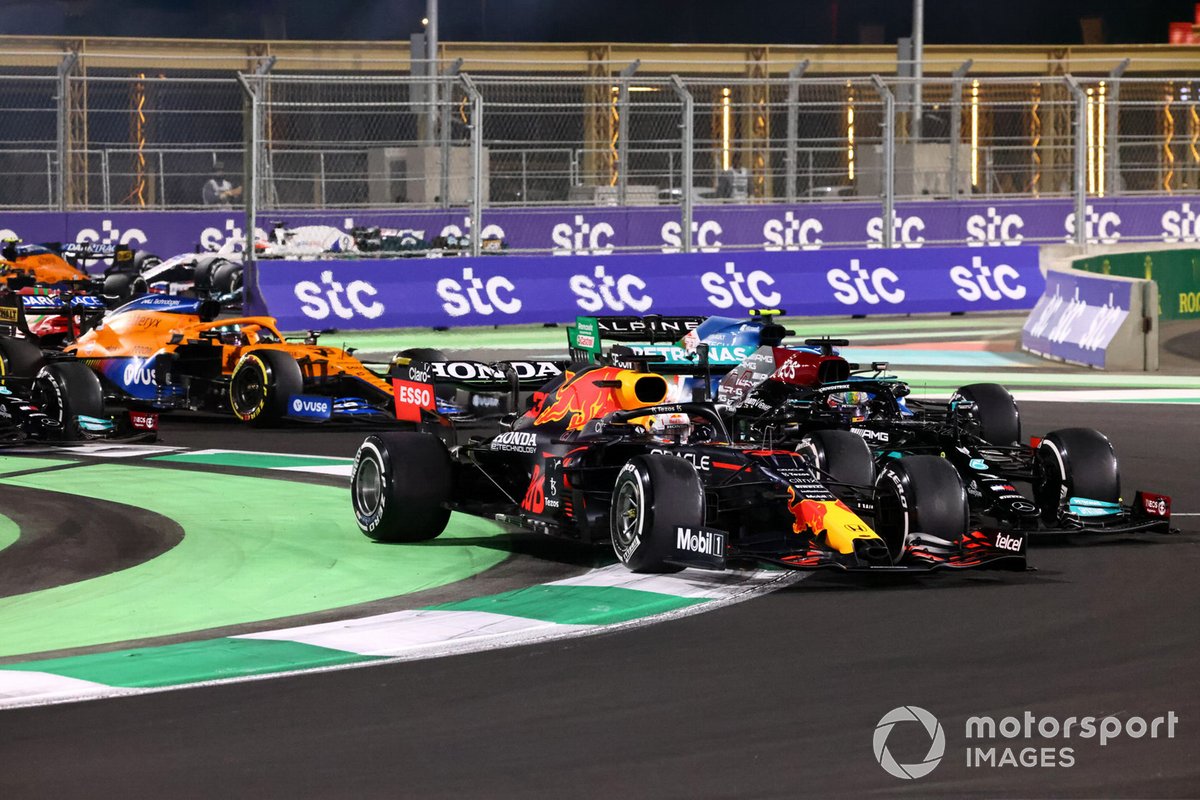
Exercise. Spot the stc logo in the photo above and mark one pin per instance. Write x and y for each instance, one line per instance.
(865, 285)
(603, 291)
(704, 236)
(906, 231)
(582, 238)
(110, 235)
(1180, 225)
(319, 300)
(747, 291)
(1098, 227)
(213, 239)
(994, 229)
(979, 281)
(482, 295)
(489, 231)
(791, 233)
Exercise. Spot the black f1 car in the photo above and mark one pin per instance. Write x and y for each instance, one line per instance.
(600, 457)
(792, 395)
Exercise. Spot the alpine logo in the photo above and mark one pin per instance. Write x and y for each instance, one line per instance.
(700, 541)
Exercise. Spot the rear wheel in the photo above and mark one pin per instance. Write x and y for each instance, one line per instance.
(995, 416)
(400, 486)
(654, 495)
(19, 358)
(227, 278)
(120, 288)
(261, 385)
(65, 390)
(842, 455)
(1074, 462)
(919, 494)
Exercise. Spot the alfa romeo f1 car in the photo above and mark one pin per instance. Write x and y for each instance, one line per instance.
(600, 457)
(793, 395)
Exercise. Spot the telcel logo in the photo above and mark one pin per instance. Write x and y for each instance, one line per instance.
(979, 281)
(906, 231)
(1010, 543)
(482, 295)
(791, 233)
(604, 291)
(582, 238)
(748, 291)
(704, 236)
(865, 285)
(994, 229)
(1098, 227)
(318, 300)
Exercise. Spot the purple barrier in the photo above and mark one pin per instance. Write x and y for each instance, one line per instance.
(1077, 317)
(601, 230)
(391, 293)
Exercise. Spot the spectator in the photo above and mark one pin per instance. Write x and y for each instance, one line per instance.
(218, 191)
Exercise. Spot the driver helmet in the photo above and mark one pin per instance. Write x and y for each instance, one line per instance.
(670, 427)
(856, 404)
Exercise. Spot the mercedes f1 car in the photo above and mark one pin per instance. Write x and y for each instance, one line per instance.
(792, 395)
(600, 457)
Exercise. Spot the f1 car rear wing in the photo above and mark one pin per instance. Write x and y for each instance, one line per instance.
(16, 306)
(587, 336)
(415, 383)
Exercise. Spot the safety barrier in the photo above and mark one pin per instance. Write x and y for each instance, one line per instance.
(1177, 273)
(490, 290)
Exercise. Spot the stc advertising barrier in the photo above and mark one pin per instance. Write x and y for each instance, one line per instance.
(1098, 321)
(494, 290)
(1177, 273)
(719, 228)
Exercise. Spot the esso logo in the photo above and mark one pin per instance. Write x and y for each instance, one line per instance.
(791, 233)
(582, 238)
(747, 291)
(979, 281)
(413, 394)
(1179, 225)
(994, 229)
(484, 296)
(1097, 227)
(601, 291)
(704, 236)
(906, 231)
(108, 234)
(138, 374)
(865, 285)
(489, 231)
(319, 300)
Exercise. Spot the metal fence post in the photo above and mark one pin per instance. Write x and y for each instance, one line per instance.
(63, 133)
(1114, 131)
(476, 127)
(250, 139)
(793, 126)
(955, 136)
(889, 159)
(444, 132)
(623, 130)
(688, 157)
(1080, 146)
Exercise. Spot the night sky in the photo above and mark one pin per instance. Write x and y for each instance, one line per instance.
(759, 21)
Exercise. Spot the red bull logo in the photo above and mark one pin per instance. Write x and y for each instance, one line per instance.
(830, 517)
(579, 399)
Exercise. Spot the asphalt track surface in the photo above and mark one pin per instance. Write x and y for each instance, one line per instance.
(776, 697)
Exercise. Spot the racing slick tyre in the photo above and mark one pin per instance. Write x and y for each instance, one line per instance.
(262, 384)
(143, 260)
(919, 494)
(19, 358)
(64, 390)
(227, 278)
(400, 486)
(121, 287)
(996, 415)
(1074, 462)
(654, 495)
(844, 456)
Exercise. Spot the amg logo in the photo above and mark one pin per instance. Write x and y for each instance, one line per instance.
(872, 436)
(709, 543)
(1006, 542)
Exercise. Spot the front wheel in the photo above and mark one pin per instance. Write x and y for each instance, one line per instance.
(654, 496)
(919, 494)
(1076, 463)
(65, 391)
(400, 486)
(842, 455)
(261, 385)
